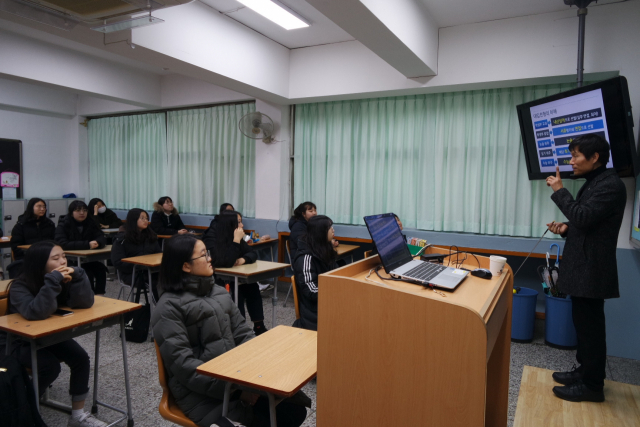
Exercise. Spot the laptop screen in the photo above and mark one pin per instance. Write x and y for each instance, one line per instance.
(385, 233)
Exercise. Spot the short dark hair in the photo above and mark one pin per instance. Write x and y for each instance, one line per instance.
(591, 143)
(163, 199)
(77, 204)
(223, 207)
(177, 250)
(131, 231)
(28, 213)
(302, 208)
(316, 239)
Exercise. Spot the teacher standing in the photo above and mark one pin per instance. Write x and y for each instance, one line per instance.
(589, 270)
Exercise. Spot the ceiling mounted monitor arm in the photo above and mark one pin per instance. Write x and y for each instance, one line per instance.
(582, 15)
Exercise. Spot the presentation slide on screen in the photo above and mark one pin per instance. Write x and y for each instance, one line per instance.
(557, 123)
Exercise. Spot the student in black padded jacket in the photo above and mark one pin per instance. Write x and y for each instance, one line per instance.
(32, 226)
(103, 216)
(138, 239)
(78, 232)
(165, 219)
(228, 249)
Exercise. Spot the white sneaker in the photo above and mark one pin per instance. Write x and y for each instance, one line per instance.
(86, 420)
(264, 287)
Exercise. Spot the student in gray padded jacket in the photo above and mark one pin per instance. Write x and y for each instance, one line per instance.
(196, 321)
(45, 284)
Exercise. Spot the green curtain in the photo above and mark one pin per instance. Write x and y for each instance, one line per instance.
(210, 162)
(442, 162)
(127, 160)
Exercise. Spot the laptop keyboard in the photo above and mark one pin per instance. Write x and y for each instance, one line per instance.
(425, 271)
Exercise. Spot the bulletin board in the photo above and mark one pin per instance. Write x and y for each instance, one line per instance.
(11, 178)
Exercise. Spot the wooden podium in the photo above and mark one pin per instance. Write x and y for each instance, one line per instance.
(394, 353)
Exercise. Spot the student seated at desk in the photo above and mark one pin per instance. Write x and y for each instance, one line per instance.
(138, 239)
(165, 219)
(316, 255)
(103, 217)
(196, 321)
(77, 232)
(229, 249)
(32, 226)
(45, 284)
(298, 226)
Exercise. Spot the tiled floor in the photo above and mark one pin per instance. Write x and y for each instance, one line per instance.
(146, 391)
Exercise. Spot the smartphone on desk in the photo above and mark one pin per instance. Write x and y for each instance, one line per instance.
(62, 312)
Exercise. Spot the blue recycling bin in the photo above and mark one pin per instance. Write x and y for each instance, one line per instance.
(523, 315)
(559, 331)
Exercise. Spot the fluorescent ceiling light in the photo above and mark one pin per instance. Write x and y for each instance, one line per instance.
(277, 13)
(141, 21)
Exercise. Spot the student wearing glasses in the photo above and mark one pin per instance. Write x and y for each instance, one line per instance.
(315, 255)
(165, 219)
(229, 249)
(77, 232)
(138, 239)
(32, 226)
(196, 321)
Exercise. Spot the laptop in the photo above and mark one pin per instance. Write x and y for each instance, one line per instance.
(397, 259)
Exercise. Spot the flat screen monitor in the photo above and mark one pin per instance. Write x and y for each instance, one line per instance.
(550, 124)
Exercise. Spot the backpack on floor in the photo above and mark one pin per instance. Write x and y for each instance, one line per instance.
(17, 401)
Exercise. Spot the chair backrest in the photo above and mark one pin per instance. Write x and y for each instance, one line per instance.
(367, 254)
(3, 306)
(168, 408)
(286, 244)
(295, 296)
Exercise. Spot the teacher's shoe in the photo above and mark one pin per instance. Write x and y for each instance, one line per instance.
(578, 392)
(569, 377)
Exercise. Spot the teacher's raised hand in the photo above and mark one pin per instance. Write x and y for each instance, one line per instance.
(555, 182)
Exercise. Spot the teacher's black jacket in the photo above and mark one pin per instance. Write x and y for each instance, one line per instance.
(589, 267)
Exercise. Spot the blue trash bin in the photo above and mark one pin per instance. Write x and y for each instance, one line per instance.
(523, 315)
(559, 331)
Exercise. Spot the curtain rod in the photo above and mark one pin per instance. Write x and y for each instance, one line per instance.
(195, 107)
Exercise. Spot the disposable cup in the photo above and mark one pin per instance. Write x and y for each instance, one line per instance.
(496, 264)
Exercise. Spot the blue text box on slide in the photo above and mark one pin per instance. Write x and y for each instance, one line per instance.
(563, 151)
(564, 161)
(546, 153)
(582, 127)
(545, 143)
(547, 162)
(543, 133)
(542, 124)
(576, 117)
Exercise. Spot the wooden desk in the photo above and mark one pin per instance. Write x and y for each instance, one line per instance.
(105, 312)
(343, 250)
(413, 356)
(278, 362)
(151, 263)
(5, 242)
(269, 242)
(90, 255)
(163, 237)
(4, 284)
(110, 230)
(250, 273)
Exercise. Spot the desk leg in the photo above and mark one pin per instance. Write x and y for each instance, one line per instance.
(274, 303)
(153, 299)
(351, 258)
(126, 372)
(133, 283)
(271, 249)
(225, 400)
(272, 409)
(34, 373)
(235, 296)
(94, 407)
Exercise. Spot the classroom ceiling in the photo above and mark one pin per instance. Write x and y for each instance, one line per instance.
(322, 30)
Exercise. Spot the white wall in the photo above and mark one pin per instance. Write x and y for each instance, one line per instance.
(50, 160)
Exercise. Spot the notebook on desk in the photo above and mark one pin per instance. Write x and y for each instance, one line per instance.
(397, 260)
